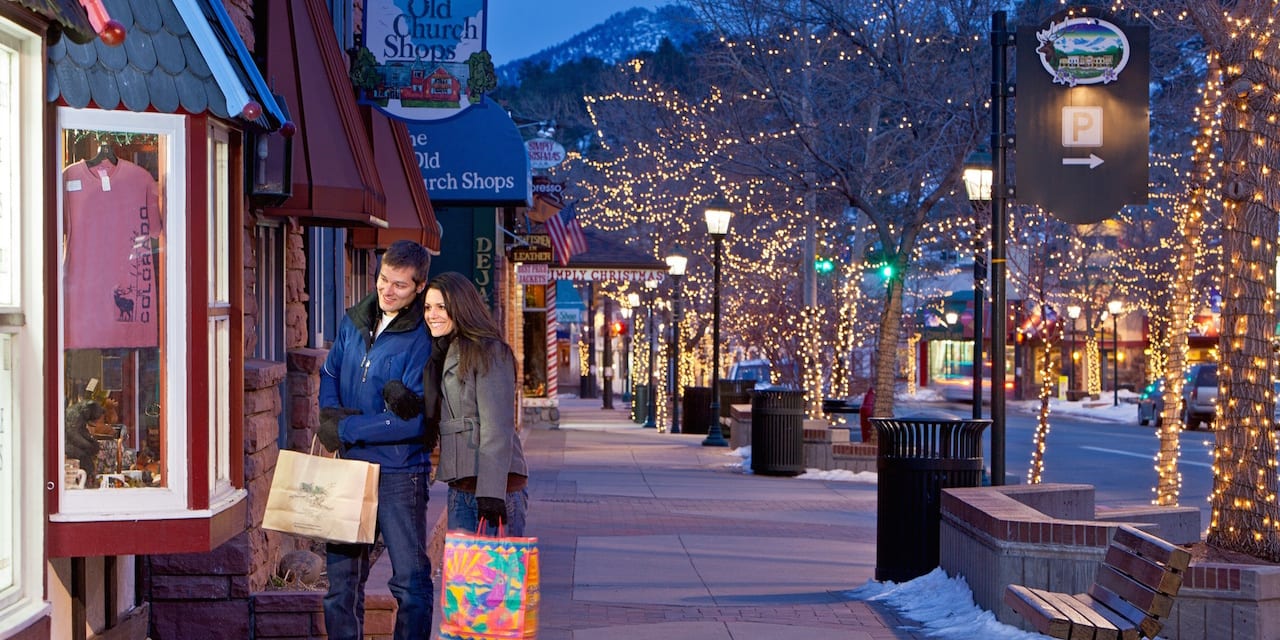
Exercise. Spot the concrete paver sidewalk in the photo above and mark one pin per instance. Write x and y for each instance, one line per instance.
(651, 535)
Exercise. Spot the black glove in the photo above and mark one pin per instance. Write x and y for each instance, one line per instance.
(401, 401)
(492, 510)
(328, 431)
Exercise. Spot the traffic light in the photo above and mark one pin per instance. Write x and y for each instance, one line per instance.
(618, 328)
(823, 266)
(886, 270)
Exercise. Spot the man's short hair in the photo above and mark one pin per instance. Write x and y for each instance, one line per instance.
(407, 253)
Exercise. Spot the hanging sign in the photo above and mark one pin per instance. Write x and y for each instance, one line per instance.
(1082, 117)
(423, 60)
(544, 153)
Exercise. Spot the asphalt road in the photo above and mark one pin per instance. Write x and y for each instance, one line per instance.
(1117, 458)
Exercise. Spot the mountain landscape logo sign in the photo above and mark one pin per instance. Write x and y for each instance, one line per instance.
(1083, 51)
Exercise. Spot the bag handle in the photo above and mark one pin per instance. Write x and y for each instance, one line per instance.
(316, 438)
(482, 527)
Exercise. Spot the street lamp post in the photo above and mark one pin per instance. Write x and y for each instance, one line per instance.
(626, 351)
(633, 301)
(677, 261)
(1114, 307)
(977, 184)
(650, 422)
(1073, 312)
(717, 215)
(951, 319)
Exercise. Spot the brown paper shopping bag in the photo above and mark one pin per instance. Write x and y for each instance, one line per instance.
(323, 498)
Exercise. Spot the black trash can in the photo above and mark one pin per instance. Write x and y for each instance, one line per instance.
(734, 392)
(777, 432)
(916, 460)
(696, 406)
(640, 403)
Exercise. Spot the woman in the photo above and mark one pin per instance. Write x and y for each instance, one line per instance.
(470, 392)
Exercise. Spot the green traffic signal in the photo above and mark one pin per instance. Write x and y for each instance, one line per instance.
(824, 265)
(886, 270)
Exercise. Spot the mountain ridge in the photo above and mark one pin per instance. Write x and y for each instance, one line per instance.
(619, 37)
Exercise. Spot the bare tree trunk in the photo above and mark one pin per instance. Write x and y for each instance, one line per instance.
(1245, 511)
(887, 350)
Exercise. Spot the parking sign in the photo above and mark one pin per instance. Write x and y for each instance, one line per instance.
(1082, 117)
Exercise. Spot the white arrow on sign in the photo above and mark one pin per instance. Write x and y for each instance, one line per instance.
(1093, 161)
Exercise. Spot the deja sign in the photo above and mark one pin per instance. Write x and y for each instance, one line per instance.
(544, 153)
(423, 59)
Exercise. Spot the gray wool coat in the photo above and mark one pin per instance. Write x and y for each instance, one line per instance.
(478, 425)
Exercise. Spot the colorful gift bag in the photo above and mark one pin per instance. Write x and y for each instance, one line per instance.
(490, 589)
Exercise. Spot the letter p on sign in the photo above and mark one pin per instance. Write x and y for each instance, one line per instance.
(1082, 126)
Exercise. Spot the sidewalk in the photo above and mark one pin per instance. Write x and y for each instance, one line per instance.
(648, 535)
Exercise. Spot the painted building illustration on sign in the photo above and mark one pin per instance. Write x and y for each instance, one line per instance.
(1083, 51)
(423, 60)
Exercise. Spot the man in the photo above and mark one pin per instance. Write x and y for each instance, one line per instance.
(375, 365)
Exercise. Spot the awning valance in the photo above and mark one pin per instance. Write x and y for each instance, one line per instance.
(409, 212)
(335, 180)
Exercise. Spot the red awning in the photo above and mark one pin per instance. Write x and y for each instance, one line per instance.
(335, 180)
(409, 212)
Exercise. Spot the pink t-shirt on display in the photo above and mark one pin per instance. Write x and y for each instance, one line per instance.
(112, 215)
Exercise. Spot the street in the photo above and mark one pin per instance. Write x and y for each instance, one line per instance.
(1117, 458)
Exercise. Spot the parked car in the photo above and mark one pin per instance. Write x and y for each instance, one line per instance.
(754, 370)
(1200, 395)
(1151, 404)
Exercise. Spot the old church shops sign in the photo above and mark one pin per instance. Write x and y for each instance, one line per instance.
(423, 60)
(475, 159)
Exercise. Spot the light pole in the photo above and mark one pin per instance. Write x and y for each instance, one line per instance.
(650, 422)
(977, 184)
(626, 350)
(1001, 42)
(1114, 307)
(718, 215)
(677, 261)
(951, 318)
(633, 301)
(1073, 312)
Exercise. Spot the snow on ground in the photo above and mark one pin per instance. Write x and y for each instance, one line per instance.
(942, 606)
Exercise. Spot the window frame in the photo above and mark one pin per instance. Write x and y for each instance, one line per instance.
(203, 502)
(22, 321)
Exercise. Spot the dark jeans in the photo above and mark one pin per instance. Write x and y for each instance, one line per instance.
(402, 523)
(464, 515)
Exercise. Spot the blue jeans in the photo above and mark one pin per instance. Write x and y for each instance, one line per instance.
(402, 523)
(464, 515)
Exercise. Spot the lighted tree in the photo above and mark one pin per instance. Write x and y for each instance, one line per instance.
(891, 148)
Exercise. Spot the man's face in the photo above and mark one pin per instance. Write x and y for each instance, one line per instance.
(396, 288)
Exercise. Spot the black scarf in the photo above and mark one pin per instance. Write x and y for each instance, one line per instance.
(432, 377)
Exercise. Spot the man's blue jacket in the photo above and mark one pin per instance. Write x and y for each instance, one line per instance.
(354, 373)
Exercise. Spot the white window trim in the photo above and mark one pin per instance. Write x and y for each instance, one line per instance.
(171, 500)
(22, 478)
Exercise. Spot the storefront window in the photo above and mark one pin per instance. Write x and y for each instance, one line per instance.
(22, 204)
(121, 175)
(535, 341)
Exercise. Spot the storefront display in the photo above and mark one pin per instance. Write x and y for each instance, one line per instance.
(112, 302)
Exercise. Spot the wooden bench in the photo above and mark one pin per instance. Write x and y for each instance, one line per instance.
(1131, 596)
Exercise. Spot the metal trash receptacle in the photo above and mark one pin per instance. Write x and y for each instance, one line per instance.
(696, 406)
(777, 432)
(640, 404)
(916, 459)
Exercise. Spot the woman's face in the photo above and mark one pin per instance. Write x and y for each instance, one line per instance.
(436, 316)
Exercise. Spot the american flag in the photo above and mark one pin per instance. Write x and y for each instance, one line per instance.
(566, 234)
